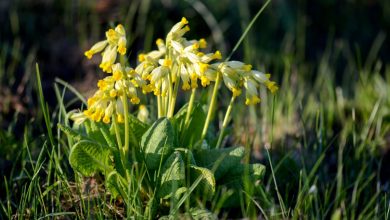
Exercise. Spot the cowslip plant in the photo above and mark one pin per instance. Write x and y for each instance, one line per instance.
(157, 168)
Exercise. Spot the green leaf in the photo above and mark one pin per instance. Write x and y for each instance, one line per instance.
(71, 133)
(137, 127)
(200, 214)
(94, 132)
(235, 177)
(193, 213)
(116, 185)
(187, 155)
(118, 163)
(109, 138)
(115, 151)
(219, 160)
(192, 133)
(207, 184)
(173, 174)
(157, 143)
(88, 158)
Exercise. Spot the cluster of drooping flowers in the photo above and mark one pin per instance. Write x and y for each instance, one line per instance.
(123, 81)
(176, 61)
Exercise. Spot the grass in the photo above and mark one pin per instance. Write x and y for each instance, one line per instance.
(323, 138)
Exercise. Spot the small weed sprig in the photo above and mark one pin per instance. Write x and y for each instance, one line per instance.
(169, 160)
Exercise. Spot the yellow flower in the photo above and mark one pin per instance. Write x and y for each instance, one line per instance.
(78, 117)
(115, 43)
(178, 30)
(143, 114)
(202, 43)
(252, 100)
(109, 57)
(96, 48)
(122, 45)
(252, 96)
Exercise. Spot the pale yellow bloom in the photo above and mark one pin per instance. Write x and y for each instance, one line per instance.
(143, 114)
(178, 30)
(78, 117)
(96, 48)
(115, 43)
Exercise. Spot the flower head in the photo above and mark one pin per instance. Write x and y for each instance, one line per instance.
(115, 43)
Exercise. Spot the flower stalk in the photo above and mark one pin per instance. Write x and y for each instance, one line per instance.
(211, 105)
(126, 115)
(225, 121)
(190, 106)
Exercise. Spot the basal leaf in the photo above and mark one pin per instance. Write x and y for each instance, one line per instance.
(157, 143)
(190, 134)
(194, 214)
(137, 127)
(252, 172)
(172, 175)
(219, 160)
(187, 155)
(88, 157)
(71, 133)
(116, 185)
(207, 184)
(110, 140)
(200, 214)
(94, 132)
(235, 178)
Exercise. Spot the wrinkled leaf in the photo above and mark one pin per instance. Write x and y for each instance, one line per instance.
(191, 133)
(207, 184)
(200, 214)
(71, 133)
(193, 213)
(116, 185)
(157, 143)
(220, 160)
(110, 140)
(95, 133)
(252, 172)
(137, 127)
(187, 155)
(88, 158)
(173, 175)
(235, 178)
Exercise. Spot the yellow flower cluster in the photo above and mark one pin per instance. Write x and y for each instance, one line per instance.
(107, 102)
(176, 58)
(175, 61)
(237, 75)
(115, 42)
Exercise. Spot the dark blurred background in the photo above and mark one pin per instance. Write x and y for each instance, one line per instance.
(56, 33)
(331, 59)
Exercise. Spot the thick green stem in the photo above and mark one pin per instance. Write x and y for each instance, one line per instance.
(190, 106)
(126, 115)
(225, 121)
(212, 105)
